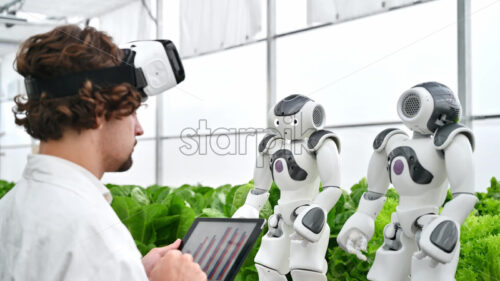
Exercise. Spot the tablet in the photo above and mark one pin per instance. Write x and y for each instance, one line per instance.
(221, 245)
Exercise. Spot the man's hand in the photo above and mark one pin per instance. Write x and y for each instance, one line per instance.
(151, 259)
(175, 266)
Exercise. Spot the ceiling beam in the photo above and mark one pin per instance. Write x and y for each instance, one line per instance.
(9, 42)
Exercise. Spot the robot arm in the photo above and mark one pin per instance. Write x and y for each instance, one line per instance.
(311, 219)
(258, 196)
(329, 172)
(440, 234)
(359, 228)
(460, 169)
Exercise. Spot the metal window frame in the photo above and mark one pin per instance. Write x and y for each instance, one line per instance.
(159, 105)
(463, 59)
(464, 62)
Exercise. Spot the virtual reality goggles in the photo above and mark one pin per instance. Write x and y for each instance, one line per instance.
(150, 66)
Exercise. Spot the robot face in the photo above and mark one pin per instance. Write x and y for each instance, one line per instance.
(428, 106)
(296, 117)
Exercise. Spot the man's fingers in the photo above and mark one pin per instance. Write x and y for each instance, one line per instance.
(188, 257)
(173, 246)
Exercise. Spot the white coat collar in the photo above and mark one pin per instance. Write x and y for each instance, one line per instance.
(61, 172)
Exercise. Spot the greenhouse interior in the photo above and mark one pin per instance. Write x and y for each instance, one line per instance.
(205, 142)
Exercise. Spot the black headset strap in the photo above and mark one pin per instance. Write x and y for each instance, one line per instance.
(68, 85)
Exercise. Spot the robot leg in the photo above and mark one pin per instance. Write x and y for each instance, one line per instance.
(268, 274)
(307, 259)
(307, 275)
(423, 270)
(272, 258)
(393, 258)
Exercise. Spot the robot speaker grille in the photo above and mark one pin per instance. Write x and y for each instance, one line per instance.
(318, 116)
(411, 105)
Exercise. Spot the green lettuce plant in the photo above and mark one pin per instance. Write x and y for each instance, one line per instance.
(157, 215)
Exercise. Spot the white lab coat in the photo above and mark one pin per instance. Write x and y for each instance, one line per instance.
(57, 224)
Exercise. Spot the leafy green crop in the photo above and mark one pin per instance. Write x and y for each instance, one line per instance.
(480, 232)
(157, 215)
(5, 187)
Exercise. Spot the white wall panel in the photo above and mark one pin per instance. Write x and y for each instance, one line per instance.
(227, 89)
(487, 153)
(14, 135)
(12, 162)
(358, 69)
(210, 161)
(485, 57)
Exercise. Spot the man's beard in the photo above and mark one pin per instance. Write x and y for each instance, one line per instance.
(126, 165)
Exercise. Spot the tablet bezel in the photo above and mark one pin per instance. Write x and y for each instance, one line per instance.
(246, 248)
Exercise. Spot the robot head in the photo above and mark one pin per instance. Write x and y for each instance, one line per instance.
(296, 117)
(428, 106)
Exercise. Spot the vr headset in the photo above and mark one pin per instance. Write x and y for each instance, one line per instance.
(150, 66)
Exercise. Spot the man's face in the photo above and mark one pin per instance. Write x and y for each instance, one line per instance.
(118, 141)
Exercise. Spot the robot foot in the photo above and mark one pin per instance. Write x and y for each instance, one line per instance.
(268, 274)
(306, 275)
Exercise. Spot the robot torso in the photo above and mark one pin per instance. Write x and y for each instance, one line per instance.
(417, 171)
(294, 170)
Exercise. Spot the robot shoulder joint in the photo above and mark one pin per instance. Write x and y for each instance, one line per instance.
(445, 135)
(317, 139)
(266, 142)
(383, 137)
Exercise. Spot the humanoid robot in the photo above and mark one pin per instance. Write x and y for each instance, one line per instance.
(419, 243)
(296, 156)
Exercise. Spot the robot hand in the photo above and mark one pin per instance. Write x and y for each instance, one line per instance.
(356, 233)
(391, 239)
(357, 242)
(438, 239)
(310, 222)
(246, 211)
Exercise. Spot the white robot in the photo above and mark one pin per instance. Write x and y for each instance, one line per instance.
(419, 243)
(296, 157)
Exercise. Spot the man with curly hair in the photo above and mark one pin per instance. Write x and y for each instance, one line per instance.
(57, 222)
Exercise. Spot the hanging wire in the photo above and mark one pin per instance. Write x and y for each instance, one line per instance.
(8, 7)
(148, 10)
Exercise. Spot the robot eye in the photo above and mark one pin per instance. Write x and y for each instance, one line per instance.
(276, 122)
(295, 122)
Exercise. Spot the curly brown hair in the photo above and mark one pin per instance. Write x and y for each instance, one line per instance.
(70, 49)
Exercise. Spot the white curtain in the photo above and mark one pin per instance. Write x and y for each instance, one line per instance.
(129, 23)
(216, 24)
(322, 11)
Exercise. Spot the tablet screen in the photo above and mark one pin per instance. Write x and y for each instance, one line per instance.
(220, 246)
